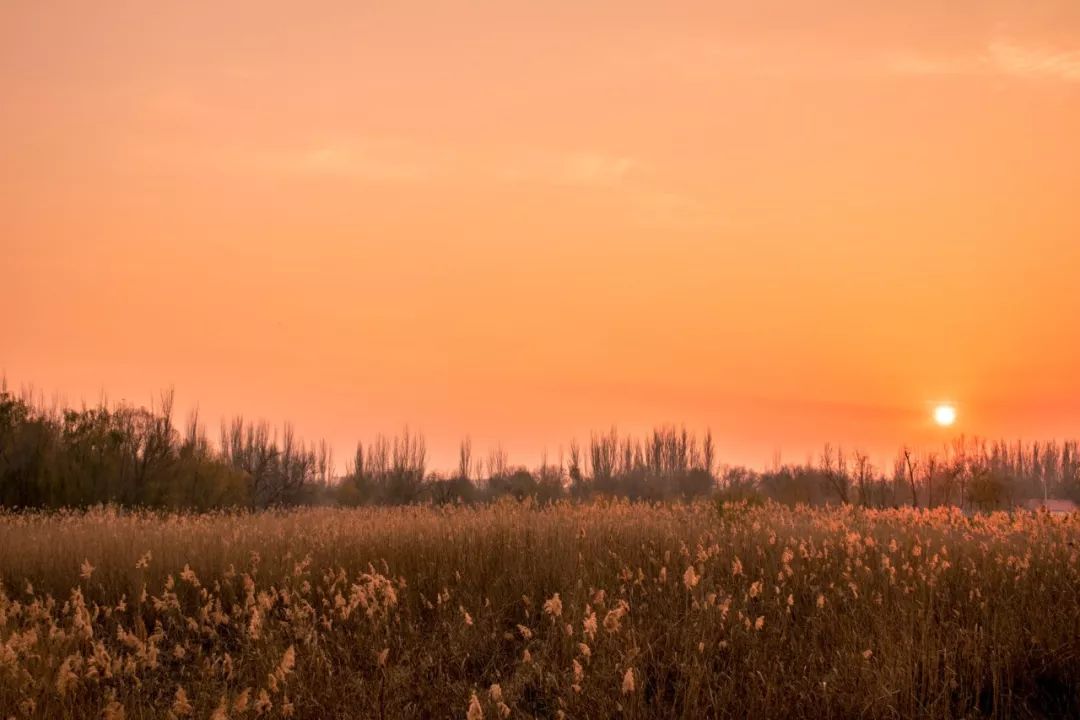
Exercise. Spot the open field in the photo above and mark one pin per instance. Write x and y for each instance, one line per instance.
(582, 611)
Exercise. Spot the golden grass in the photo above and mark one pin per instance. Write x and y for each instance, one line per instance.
(590, 611)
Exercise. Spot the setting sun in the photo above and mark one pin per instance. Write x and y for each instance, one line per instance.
(945, 415)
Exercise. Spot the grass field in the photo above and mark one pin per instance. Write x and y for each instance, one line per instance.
(577, 611)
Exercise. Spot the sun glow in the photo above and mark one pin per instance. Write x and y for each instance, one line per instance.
(945, 415)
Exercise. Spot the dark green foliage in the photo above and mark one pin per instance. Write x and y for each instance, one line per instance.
(134, 456)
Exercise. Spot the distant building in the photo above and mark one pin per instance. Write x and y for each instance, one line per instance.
(1051, 505)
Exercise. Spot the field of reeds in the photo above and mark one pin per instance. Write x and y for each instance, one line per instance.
(509, 610)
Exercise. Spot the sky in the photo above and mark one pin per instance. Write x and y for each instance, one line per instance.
(791, 222)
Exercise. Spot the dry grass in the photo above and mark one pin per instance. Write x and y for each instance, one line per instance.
(603, 610)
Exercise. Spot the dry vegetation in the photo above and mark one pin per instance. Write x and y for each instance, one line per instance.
(578, 611)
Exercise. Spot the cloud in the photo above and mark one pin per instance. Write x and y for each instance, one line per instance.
(372, 160)
(593, 169)
(622, 181)
(402, 160)
(624, 177)
(1020, 61)
(714, 60)
(573, 169)
(673, 210)
(920, 65)
(999, 58)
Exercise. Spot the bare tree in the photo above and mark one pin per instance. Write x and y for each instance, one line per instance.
(708, 453)
(498, 461)
(834, 469)
(465, 462)
(930, 471)
(574, 470)
(910, 465)
(864, 472)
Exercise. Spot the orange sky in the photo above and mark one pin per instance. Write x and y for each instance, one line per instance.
(793, 221)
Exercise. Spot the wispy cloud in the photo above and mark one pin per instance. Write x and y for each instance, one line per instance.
(623, 181)
(593, 169)
(645, 201)
(1033, 62)
(999, 58)
(909, 63)
(381, 160)
(575, 169)
(714, 60)
(663, 209)
(405, 160)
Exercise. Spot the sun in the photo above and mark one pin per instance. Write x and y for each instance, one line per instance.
(945, 415)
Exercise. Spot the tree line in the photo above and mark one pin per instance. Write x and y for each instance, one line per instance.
(54, 457)
(970, 473)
